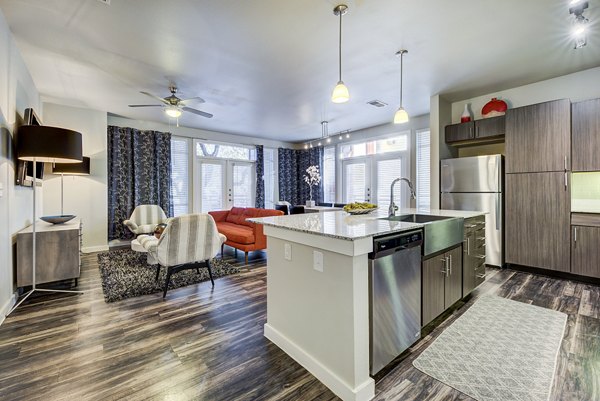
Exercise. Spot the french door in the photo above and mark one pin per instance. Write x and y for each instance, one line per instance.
(368, 179)
(223, 184)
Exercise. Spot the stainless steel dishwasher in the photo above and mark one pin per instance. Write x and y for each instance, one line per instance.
(394, 296)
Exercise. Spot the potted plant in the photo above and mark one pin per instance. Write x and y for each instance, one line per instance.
(312, 178)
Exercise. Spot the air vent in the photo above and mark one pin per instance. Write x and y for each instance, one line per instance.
(377, 103)
(107, 2)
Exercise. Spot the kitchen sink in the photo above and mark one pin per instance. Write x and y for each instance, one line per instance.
(440, 232)
(418, 218)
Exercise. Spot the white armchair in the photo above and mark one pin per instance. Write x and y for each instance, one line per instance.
(188, 242)
(145, 218)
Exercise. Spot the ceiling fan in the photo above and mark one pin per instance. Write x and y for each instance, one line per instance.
(173, 105)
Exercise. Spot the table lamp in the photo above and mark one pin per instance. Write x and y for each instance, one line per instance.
(73, 169)
(47, 145)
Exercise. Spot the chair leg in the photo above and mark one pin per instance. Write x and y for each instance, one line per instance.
(157, 272)
(210, 272)
(168, 279)
(235, 252)
(222, 251)
(246, 257)
(198, 270)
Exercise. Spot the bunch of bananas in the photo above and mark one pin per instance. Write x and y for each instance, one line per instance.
(358, 206)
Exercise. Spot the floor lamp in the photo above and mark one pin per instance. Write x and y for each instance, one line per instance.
(63, 169)
(46, 145)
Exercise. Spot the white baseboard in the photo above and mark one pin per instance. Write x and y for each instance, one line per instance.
(363, 392)
(7, 306)
(90, 249)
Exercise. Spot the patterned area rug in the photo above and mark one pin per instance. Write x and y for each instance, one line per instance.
(498, 350)
(127, 274)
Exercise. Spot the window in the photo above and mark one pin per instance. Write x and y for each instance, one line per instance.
(223, 151)
(270, 177)
(368, 169)
(423, 170)
(329, 174)
(397, 143)
(179, 175)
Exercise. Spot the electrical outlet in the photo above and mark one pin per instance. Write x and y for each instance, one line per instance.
(287, 250)
(318, 261)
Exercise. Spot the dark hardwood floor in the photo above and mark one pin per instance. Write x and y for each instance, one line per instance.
(208, 344)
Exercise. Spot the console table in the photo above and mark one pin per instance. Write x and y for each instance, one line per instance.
(58, 252)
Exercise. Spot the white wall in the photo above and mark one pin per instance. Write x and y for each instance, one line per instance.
(84, 196)
(17, 92)
(578, 86)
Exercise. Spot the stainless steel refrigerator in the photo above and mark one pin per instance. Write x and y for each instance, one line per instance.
(476, 183)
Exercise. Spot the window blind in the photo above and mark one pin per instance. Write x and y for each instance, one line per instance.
(423, 170)
(179, 175)
(329, 174)
(388, 171)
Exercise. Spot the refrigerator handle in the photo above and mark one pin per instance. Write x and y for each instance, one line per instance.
(498, 212)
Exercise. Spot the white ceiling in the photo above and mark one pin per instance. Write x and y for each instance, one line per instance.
(267, 67)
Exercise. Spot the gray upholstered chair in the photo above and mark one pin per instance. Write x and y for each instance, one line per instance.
(188, 242)
(145, 218)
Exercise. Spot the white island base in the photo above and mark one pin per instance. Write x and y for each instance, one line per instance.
(321, 318)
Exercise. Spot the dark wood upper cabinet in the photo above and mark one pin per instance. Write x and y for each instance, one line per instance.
(490, 127)
(460, 132)
(538, 137)
(586, 135)
(585, 252)
(538, 214)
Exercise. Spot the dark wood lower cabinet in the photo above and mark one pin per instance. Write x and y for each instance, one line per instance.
(433, 288)
(453, 283)
(442, 283)
(538, 213)
(585, 251)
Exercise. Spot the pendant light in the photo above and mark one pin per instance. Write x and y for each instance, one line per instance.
(401, 116)
(340, 92)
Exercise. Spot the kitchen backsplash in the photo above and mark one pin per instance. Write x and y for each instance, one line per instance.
(586, 186)
(585, 192)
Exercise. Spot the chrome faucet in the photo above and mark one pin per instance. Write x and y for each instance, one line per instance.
(413, 194)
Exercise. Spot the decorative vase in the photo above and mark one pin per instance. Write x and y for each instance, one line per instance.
(494, 108)
(466, 115)
(310, 203)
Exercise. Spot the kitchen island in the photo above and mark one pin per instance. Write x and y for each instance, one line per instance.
(318, 291)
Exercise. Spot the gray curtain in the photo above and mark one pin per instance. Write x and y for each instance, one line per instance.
(260, 178)
(292, 169)
(139, 172)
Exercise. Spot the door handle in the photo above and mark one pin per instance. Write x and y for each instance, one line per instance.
(566, 181)
(566, 167)
(445, 269)
(575, 235)
(468, 246)
(498, 212)
(450, 258)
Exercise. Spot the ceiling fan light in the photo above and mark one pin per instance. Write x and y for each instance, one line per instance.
(401, 116)
(340, 93)
(173, 112)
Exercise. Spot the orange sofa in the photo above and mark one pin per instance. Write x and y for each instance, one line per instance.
(241, 234)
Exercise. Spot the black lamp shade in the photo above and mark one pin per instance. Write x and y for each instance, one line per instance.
(82, 168)
(49, 144)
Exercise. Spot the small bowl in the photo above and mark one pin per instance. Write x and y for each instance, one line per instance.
(58, 219)
(356, 212)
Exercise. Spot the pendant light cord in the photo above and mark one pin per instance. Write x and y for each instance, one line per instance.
(401, 76)
(340, 47)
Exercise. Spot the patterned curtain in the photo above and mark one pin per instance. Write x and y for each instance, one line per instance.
(292, 169)
(139, 172)
(260, 178)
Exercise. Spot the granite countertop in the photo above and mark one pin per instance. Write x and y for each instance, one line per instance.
(344, 226)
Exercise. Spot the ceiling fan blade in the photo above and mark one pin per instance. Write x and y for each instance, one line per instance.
(198, 112)
(160, 99)
(196, 99)
(145, 105)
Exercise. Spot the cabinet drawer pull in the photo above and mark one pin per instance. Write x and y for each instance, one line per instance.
(480, 256)
(575, 235)
(450, 258)
(470, 225)
(481, 275)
